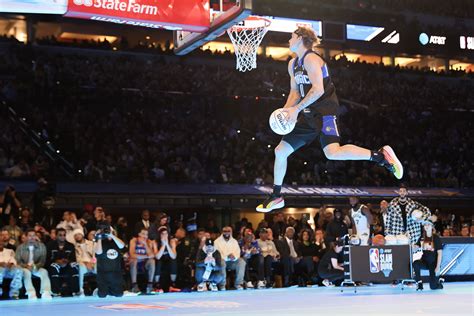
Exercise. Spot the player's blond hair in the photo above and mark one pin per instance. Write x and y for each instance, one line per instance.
(310, 40)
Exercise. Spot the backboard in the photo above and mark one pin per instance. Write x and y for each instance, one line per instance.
(223, 15)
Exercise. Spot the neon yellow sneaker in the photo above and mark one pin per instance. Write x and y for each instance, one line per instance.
(272, 203)
(391, 162)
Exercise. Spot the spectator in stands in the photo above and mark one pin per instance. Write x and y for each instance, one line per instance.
(380, 216)
(142, 253)
(229, 249)
(309, 254)
(186, 251)
(465, 230)
(161, 221)
(209, 267)
(108, 250)
(251, 253)
(270, 254)
(338, 227)
(19, 170)
(145, 222)
(31, 257)
(8, 242)
(122, 229)
(290, 255)
(212, 228)
(26, 220)
(43, 203)
(13, 230)
(279, 225)
(62, 265)
(329, 268)
(10, 270)
(166, 258)
(10, 204)
(85, 257)
(69, 224)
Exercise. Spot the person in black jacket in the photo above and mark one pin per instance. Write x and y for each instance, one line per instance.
(338, 227)
(309, 252)
(208, 267)
(108, 249)
(329, 267)
(432, 248)
(62, 265)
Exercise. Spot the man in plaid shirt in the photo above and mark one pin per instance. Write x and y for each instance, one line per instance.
(399, 219)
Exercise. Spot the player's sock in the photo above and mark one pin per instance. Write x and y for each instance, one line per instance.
(376, 156)
(276, 190)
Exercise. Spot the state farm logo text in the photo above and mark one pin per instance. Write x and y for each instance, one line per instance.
(120, 5)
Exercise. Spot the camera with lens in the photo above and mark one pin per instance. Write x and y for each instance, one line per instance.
(103, 230)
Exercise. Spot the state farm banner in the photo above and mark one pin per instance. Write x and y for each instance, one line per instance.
(188, 15)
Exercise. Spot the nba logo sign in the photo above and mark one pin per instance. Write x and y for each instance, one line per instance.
(374, 260)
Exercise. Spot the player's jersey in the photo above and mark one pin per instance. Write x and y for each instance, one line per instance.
(327, 104)
(360, 220)
(140, 248)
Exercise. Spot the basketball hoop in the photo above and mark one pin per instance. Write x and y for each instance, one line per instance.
(246, 37)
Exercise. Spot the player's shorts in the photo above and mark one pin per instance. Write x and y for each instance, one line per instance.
(308, 128)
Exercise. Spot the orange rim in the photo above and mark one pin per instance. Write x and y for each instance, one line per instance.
(265, 23)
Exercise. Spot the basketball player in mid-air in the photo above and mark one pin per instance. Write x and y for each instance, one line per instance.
(314, 96)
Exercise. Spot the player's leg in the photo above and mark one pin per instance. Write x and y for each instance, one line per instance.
(304, 133)
(334, 151)
(275, 200)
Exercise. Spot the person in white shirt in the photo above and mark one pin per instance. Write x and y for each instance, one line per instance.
(361, 218)
(9, 270)
(230, 251)
(85, 257)
(70, 224)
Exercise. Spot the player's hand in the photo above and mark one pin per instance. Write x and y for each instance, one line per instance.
(292, 114)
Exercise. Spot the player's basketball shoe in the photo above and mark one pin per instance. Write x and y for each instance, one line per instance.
(391, 162)
(272, 203)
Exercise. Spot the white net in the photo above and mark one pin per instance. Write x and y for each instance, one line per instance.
(246, 38)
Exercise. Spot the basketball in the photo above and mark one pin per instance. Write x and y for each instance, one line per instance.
(378, 240)
(278, 122)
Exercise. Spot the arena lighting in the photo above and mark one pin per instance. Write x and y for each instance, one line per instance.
(305, 162)
(466, 42)
(238, 131)
(48, 142)
(269, 146)
(58, 151)
(282, 94)
(80, 171)
(253, 138)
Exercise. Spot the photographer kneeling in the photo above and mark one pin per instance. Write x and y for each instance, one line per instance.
(109, 261)
(208, 267)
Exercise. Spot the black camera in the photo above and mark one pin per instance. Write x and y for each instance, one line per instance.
(103, 230)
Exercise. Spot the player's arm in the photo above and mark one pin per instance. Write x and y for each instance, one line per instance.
(368, 214)
(315, 74)
(294, 96)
